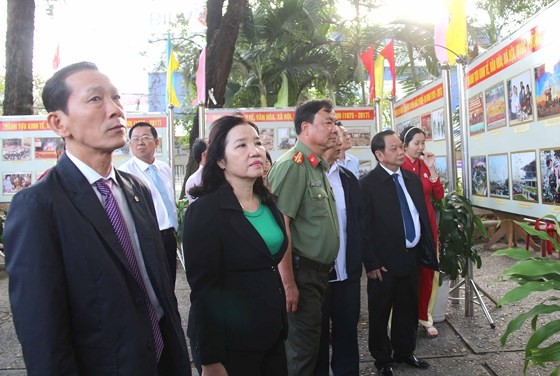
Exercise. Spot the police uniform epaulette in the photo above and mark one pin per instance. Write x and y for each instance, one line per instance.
(298, 158)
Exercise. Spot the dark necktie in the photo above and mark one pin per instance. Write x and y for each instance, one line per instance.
(119, 225)
(409, 231)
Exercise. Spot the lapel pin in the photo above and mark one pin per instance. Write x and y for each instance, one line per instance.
(136, 199)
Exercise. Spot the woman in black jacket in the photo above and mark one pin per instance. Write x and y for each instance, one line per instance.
(233, 239)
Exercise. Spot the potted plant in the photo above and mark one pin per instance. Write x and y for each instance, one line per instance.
(456, 226)
(535, 274)
(457, 223)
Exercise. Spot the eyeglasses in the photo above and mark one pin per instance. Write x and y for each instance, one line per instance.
(144, 139)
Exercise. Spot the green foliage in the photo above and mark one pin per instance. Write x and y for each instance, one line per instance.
(534, 274)
(457, 223)
(182, 205)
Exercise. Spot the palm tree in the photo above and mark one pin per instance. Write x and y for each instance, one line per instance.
(289, 38)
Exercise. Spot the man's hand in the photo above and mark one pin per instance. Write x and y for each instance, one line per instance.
(292, 297)
(287, 273)
(214, 369)
(376, 274)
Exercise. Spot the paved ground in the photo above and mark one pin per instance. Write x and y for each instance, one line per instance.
(465, 346)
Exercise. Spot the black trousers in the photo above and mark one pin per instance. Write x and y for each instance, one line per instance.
(341, 312)
(269, 362)
(399, 293)
(170, 245)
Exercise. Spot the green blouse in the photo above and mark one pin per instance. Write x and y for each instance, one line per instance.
(263, 221)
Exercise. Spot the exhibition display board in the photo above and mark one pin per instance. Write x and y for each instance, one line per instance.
(28, 148)
(278, 134)
(513, 92)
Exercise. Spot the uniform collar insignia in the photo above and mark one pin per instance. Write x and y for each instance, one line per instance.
(313, 160)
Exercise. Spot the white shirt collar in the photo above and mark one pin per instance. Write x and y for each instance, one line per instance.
(90, 174)
(391, 172)
(143, 166)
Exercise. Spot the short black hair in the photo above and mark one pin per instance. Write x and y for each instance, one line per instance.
(378, 141)
(56, 92)
(144, 124)
(305, 112)
(199, 147)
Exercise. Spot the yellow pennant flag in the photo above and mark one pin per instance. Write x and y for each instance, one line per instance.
(379, 69)
(172, 66)
(456, 36)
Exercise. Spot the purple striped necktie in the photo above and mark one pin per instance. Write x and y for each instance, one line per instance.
(119, 225)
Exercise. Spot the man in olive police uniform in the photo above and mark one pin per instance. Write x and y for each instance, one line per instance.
(306, 199)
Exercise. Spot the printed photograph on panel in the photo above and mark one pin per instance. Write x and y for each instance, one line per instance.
(267, 138)
(123, 152)
(476, 114)
(498, 175)
(547, 89)
(426, 123)
(13, 182)
(520, 100)
(359, 137)
(402, 126)
(45, 147)
(524, 176)
(438, 127)
(495, 107)
(286, 138)
(479, 176)
(550, 176)
(441, 168)
(365, 167)
(16, 149)
(415, 122)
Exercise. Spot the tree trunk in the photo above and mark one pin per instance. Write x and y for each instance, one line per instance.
(221, 36)
(413, 73)
(18, 95)
(192, 166)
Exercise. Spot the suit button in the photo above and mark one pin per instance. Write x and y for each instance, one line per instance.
(280, 290)
(273, 268)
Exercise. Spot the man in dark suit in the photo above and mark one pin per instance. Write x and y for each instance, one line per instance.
(89, 284)
(341, 306)
(397, 225)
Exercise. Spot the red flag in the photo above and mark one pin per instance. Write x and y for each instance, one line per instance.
(367, 60)
(56, 59)
(389, 53)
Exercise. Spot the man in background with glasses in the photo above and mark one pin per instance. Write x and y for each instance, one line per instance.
(158, 177)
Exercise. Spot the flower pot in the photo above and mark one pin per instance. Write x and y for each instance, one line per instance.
(440, 305)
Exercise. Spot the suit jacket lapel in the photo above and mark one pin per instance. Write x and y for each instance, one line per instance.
(241, 224)
(83, 197)
(144, 228)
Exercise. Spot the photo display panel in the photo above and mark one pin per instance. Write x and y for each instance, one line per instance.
(515, 145)
(277, 130)
(29, 148)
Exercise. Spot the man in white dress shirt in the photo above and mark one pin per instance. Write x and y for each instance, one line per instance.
(345, 159)
(341, 306)
(158, 177)
(199, 153)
